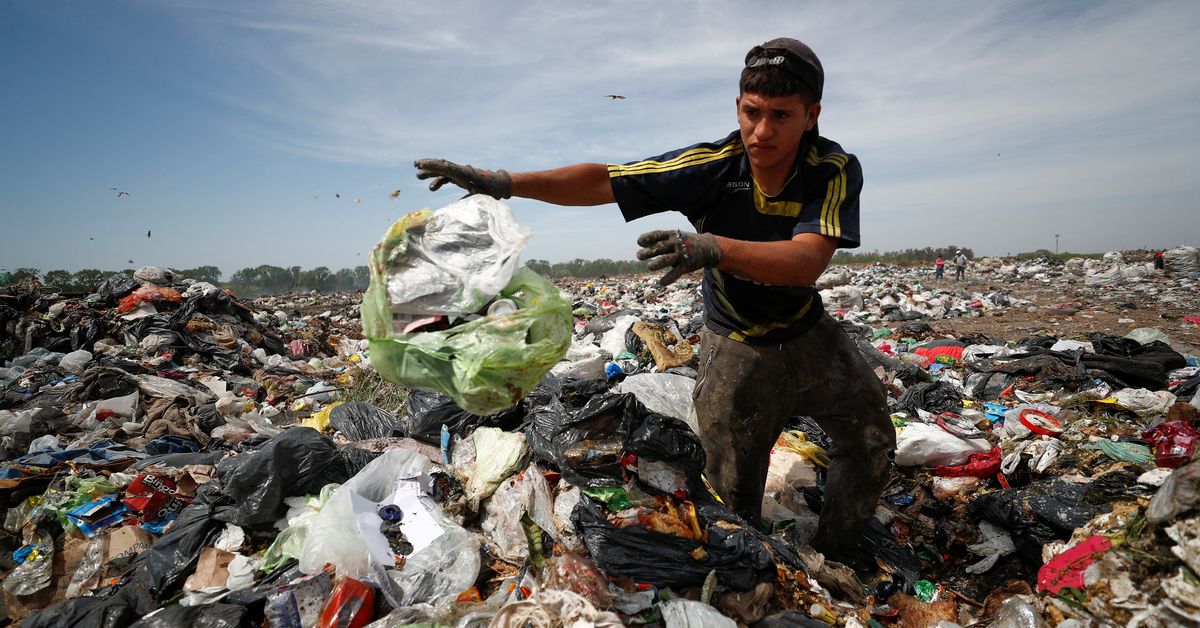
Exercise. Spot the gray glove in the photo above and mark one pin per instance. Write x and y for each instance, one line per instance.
(680, 251)
(496, 184)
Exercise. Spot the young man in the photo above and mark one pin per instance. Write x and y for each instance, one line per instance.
(960, 265)
(939, 268)
(770, 204)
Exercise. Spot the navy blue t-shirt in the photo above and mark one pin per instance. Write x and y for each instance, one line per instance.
(711, 185)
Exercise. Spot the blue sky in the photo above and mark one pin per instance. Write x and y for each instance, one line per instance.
(234, 125)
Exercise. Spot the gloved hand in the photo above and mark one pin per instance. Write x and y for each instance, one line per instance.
(681, 251)
(496, 184)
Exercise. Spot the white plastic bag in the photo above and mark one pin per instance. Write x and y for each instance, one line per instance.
(684, 613)
(929, 445)
(76, 362)
(664, 393)
(498, 455)
(334, 536)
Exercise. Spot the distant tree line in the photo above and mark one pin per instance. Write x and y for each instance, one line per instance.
(906, 256)
(583, 268)
(254, 281)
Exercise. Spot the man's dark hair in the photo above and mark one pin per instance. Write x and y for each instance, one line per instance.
(773, 82)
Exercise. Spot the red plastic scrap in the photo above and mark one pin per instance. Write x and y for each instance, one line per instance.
(981, 465)
(351, 605)
(1066, 570)
(148, 293)
(1195, 320)
(1174, 443)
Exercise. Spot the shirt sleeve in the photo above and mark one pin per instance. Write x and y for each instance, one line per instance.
(684, 180)
(833, 206)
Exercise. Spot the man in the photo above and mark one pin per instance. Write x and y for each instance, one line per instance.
(771, 202)
(939, 268)
(960, 265)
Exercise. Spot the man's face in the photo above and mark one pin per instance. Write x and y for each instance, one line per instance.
(772, 126)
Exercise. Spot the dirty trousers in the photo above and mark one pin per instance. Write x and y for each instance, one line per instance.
(745, 395)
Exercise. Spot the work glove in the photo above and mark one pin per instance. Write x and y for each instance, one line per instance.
(680, 251)
(496, 184)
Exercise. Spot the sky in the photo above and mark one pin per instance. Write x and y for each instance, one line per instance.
(272, 132)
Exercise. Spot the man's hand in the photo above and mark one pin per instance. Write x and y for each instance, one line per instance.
(680, 251)
(496, 184)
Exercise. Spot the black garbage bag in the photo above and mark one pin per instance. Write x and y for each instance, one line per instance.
(174, 555)
(736, 551)
(1038, 513)
(587, 444)
(215, 615)
(577, 392)
(102, 382)
(426, 412)
(359, 420)
(935, 397)
(85, 334)
(84, 612)
(116, 286)
(298, 461)
(1158, 351)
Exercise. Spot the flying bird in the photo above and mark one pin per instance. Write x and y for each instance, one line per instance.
(615, 96)
(395, 194)
(120, 194)
(130, 261)
(337, 195)
(147, 233)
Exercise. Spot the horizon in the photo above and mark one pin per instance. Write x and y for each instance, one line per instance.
(208, 133)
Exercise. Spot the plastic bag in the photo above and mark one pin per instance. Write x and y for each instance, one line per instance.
(299, 461)
(664, 393)
(359, 420)
(75, 362)
(426, 412)
(148, 293)
(684, 613)
(1179, 493)
(216, 615)
(485, 365)
(499, 454)
(1174, 443)
(334, 535)
(923, 444)
(587, 445)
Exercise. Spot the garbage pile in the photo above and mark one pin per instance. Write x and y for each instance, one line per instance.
(174, 456)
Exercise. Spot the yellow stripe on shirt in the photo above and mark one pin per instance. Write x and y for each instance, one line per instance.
(694, 157)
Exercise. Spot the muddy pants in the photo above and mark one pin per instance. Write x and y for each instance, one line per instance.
(744, 397)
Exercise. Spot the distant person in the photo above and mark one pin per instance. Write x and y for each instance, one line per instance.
(960, 265)
(770, 202)
(939, 268)
(1158, 261)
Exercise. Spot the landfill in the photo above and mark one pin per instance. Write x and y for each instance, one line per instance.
(176, 456)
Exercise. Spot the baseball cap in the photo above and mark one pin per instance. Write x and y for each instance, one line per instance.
(793, 57)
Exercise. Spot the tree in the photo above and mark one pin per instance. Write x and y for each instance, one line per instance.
(211, 274)
(319, 278)
(87, 279)
(362, 277)
(344, 279)
(59, 279)
(539, 266)
(22, 273)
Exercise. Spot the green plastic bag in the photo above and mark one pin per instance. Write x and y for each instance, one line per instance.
(485, 365)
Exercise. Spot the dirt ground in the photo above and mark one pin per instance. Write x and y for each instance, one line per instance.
(1071, 310)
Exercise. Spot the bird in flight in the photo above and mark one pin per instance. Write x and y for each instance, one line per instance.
(615, 96)
(337, 195)
(120, 194)
(147, 233)
(130, 261)
(395, 194)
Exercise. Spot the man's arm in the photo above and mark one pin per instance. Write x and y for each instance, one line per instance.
(795, 262)
(580, 184)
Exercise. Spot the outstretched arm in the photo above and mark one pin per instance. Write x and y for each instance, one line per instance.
(580, 184)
